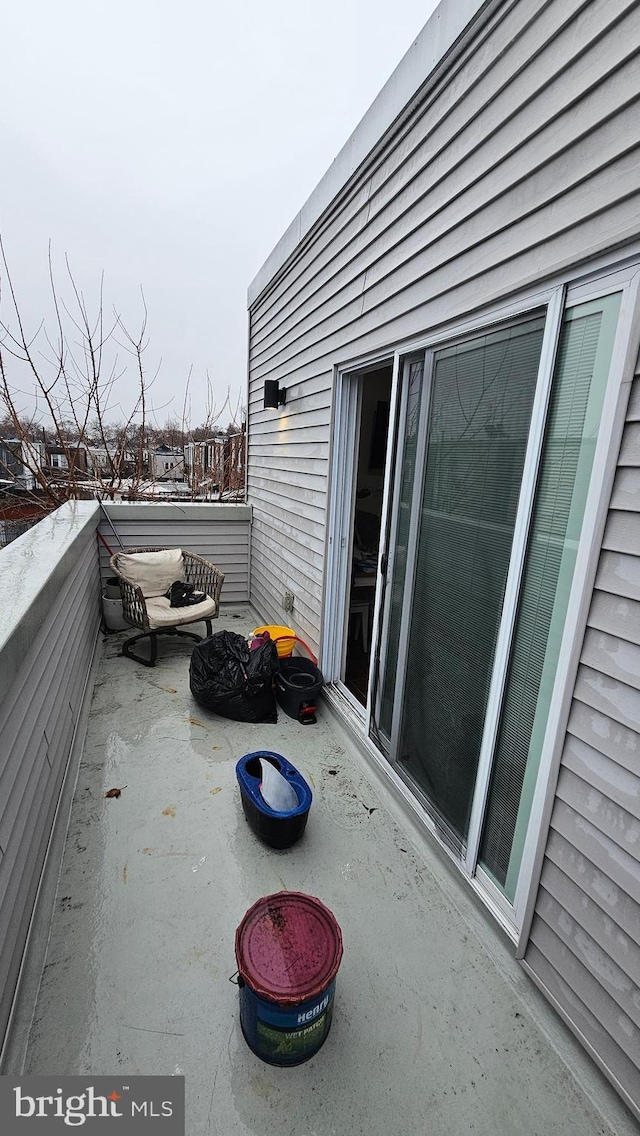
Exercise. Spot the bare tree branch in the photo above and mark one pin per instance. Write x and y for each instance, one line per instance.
(59, 394)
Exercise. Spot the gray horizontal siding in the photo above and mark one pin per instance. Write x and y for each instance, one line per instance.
(626, 493)
(617, 615)
(633, 411)
(508, 138)
(577, 997)
(622, 533)
(479, 115)
(630, 450)
(613, 655)
(584, 948)
(219, 533)
(39, 713)
(295, 566)
(605, 734)
(619, 573)
(520, 161)
(616, 994)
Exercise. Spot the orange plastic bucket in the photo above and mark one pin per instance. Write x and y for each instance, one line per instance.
(286, 637)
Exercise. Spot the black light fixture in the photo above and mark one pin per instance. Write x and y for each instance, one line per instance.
(274, 394)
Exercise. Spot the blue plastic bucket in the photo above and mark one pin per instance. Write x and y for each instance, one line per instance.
(279, 830)
(288, 950)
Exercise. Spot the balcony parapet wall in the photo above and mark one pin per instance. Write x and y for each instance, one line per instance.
(49, 623)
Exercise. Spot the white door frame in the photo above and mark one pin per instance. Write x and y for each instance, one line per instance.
(343, 473)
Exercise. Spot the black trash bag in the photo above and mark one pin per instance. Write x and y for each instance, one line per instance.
(235, 682)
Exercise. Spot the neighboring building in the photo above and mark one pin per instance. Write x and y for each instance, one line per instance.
(235, 457)
(61, 461)
(19, 459)
(102, 460)
(199, 462)
(451, 490)
(160, 489)
(217, 464)
(105, 462)
(167, 464)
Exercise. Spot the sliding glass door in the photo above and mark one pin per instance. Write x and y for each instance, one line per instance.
(496, 435)
(412, 410)
(465, 501)
(577, 397)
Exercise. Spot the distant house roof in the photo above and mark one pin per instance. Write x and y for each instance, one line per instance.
(164, 449)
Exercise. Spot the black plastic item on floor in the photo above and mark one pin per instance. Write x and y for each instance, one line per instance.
(225, 676)
(298, 685)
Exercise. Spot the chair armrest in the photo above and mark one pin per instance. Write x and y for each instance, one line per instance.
(204, 576)
(134, 605)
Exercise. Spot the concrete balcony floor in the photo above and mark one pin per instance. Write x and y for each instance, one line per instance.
(436, 1029)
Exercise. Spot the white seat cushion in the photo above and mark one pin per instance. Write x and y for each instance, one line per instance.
(153, 572)
(161, 614)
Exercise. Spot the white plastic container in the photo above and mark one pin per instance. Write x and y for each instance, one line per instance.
(112, 612)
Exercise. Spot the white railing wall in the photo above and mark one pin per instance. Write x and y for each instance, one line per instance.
(50, 616)
(49, 622)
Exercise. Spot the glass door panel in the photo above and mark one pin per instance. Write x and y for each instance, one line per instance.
(577, 397)
(405, 473)
(480, 402)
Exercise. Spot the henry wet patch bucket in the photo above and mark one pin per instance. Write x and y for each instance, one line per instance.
(288, 950)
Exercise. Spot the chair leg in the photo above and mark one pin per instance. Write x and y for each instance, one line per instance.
(209, 628)
(153, 638)
(186, 634)
(153, 648)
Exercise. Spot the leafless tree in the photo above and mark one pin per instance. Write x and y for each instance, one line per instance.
(66, 373)
(59, 392)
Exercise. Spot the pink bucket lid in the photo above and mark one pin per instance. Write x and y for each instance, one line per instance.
(288, 947)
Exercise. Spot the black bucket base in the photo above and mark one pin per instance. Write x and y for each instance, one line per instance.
(278, 832)
(298, 684)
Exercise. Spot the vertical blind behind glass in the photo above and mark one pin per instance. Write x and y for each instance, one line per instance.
(556, 522)
(481, 404)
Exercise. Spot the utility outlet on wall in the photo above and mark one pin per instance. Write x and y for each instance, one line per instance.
(287, 601)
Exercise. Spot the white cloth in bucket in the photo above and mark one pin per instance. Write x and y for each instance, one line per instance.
(278, 793)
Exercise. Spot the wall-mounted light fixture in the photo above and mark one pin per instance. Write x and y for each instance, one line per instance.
(274, 394)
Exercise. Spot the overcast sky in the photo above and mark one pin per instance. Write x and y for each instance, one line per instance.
(171, 145)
